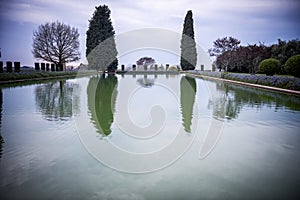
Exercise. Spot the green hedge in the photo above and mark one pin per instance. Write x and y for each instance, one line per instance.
(269, 66)
(292, 66)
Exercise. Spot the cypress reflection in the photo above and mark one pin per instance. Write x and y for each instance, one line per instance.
(102, 95)
(188, 89)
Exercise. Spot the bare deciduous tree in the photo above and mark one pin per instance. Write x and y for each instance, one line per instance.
(56, 42)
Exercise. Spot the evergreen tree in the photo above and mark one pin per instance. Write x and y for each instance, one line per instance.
(101, 51)
(188, 59)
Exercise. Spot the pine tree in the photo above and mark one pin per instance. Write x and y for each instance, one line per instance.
(188, 59)
(101, 51)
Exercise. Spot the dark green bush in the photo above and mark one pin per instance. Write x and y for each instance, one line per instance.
(269, 66)
(292, 66)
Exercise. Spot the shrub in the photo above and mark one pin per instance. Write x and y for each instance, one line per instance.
(292, 66)
(173, 68)
(269, 66)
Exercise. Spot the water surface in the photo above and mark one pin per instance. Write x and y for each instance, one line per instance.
(148, 137)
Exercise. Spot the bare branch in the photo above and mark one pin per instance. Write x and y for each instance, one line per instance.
(56, 42)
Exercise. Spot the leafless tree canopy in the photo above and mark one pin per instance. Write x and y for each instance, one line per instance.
(56, 42)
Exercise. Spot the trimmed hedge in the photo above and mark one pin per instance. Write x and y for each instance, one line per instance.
(173, 68)
(291, 83)
(274, 81)
(269, 66)
(40, 75)
(292, 66)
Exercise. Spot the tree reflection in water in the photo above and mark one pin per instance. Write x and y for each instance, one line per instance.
(102, 93)
(55, 100)
(228, 100)
(1, 139)
(188, 89)
(145, 82)
(223, 103)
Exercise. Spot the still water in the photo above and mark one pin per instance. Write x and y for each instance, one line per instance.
(148, 137)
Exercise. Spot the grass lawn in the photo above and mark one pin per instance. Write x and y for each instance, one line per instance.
(31, 76)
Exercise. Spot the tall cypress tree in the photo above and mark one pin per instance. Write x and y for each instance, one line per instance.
(188, 58)
(101, 51)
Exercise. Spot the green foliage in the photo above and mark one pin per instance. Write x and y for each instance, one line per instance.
(4, 77)
(285, 49)
(102, 95)
(224, 44)
(243, 58)
(188, 58)
(173, 69)
(234, 58)
(292, 66)
(269, 66)
(101, 51)
(188, 89)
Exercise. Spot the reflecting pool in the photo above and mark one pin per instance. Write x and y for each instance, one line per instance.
(148, 137)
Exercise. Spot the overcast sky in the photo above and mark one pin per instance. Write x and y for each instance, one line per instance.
(250, 21)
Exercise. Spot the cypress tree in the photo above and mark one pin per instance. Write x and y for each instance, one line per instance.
(101, 51)
(188, 58)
